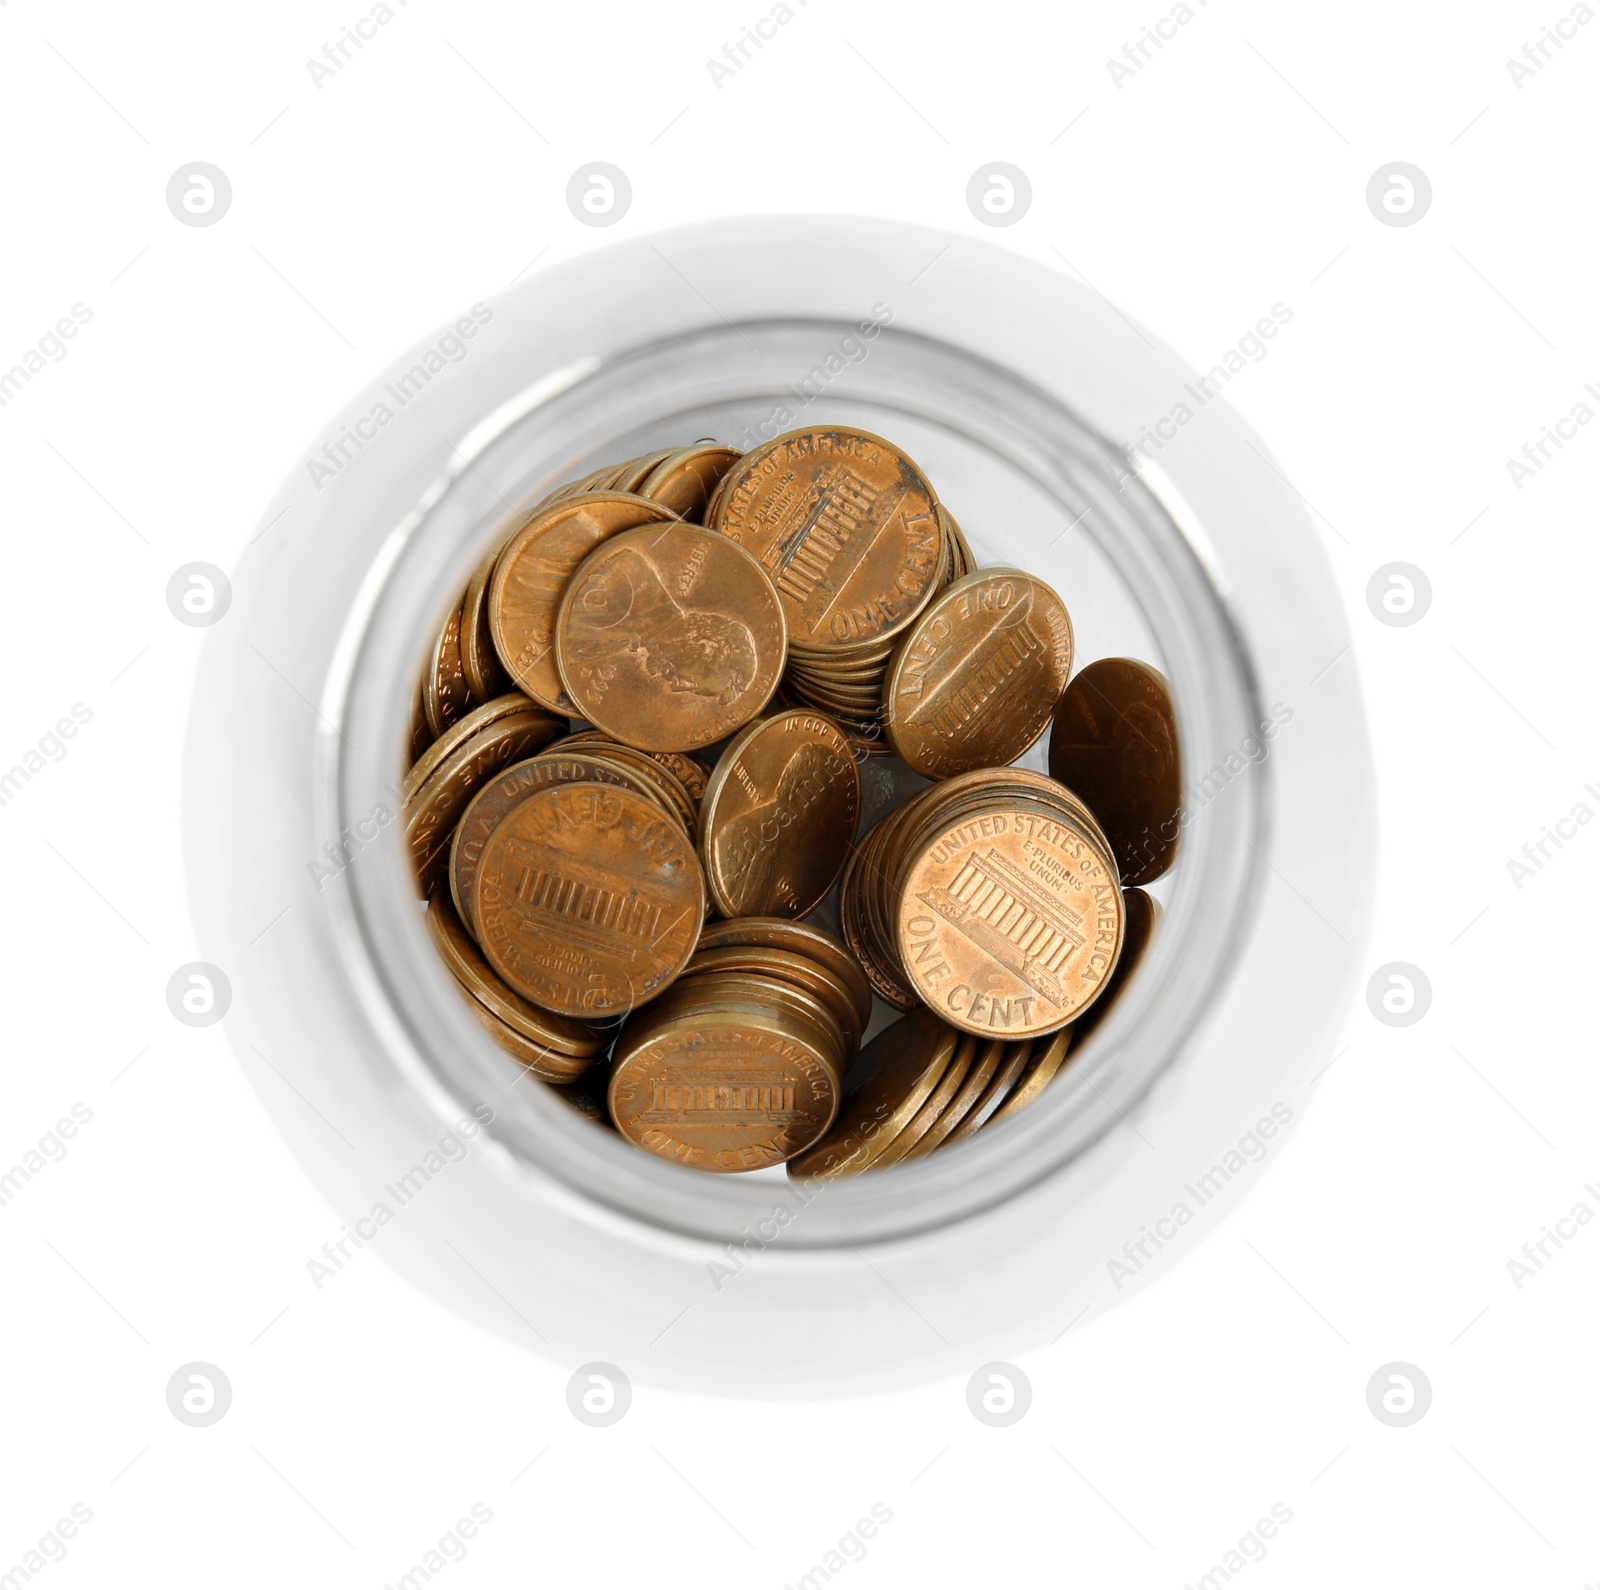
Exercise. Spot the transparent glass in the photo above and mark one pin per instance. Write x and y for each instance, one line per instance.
(1032, 486)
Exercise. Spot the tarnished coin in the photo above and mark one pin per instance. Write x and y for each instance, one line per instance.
(483, 814)
(532, 572)
(446, 697)
(588, 899)
(1140, 915)
(901, 1067)
(779, 816)
(429, 816)
(1115, 743)
(799, 938)
(844, 524)
(722, 1092)
(1009, 919)
(978, 675)
(685, 480)
(669, 638)
(1042, 1069)
(556, 1048)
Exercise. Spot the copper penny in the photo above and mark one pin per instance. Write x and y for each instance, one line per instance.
(779, 816)
(670, 638)
(486, 809)
(532, 572)
(722, 1092)
(844, 523)
(916, 1130)
(1009, 919)
(557, 1047)
(901, 1067)
(978, 675)
(1013, 1064)
(685, 480)
(1115, 742)
(446, 697)
(986, 1062)
(798, 970)
(799, 938)
(429, 816)
(1042, 1070)
(1141, 916)
(486, 679)
(588, 899)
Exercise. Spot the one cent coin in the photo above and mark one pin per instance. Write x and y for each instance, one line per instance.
(1115, 743)
(670, 638)
(430, 814)
(532, 572)
(446, 696)
(1009, 921)
(978, 675)
(901, 1067)
(779, 816)
(1141, 916)
(588, 899)
(496, 798)
(684, 481)
(723, 1092)
(1042, 1071)
(845, 525)
(799, 938)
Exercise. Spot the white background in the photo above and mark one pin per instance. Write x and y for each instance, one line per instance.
(1227, 175)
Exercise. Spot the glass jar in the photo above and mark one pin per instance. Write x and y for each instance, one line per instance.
(1018, 392)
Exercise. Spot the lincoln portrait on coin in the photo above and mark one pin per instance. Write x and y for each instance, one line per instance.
(626, 605)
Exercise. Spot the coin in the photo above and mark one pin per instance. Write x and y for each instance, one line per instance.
(1115, 742)
(685, 480)
(532, 572)
(844, 524)
(984, 1068)
(508, 705)
(669, 638)
(588, 899)
(633, 474)
(798, 970)
(799, 938)
(429, 816)
(446, 697)
(1012, 1066)
(1141, 915)
(906, 1140)
(419, 737)
(486, 679)
(722, 1093)
(901, 1068)
(779, 816)
(491, 803)
(1007, 915)
(979, 673)
(690, 773)
(1041, 1072)
(558, 1048)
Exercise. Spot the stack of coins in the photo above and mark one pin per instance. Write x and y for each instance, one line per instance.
(922, 1084)
(742, 1064)
(993, 898)
(625, 919)
(855, 541)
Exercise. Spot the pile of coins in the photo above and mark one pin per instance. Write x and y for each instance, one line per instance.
(625, 919)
